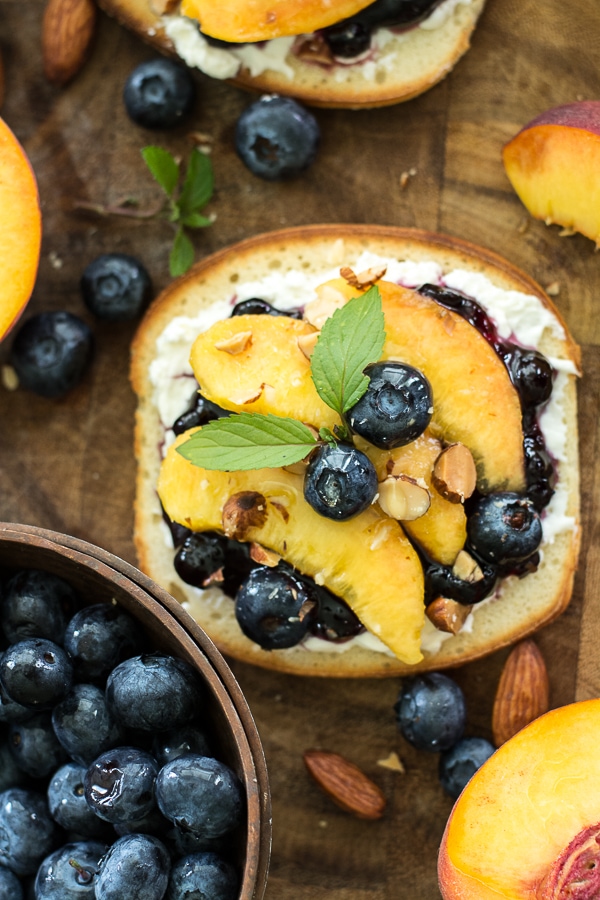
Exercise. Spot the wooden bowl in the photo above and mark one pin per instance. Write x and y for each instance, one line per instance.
(98, 576)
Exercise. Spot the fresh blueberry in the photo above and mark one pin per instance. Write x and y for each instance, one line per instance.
(504, 527)
(202, 875)
(458, 764)
(136, 867)
(154, 692)
(36, 604)
(442, 581)
(274, 608)
(116, 287)
(70, 873)
(181, 842)
(200, 794)
(10, 711)
(152, 823)
(201, 555)
(188, 739)
(119, 784)
(68, 806)
(10, 886)
(431, 711)
(159, 93)
(51, 352)
(83, 724)
(255, 306)
(98, 638)
(199, 412)
(36, 673)
(276, 137)
(396, 407)
(34, 746)
(340, 481)
(27, 831)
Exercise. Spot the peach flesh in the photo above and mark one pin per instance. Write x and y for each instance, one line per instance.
(553, 164)
(261, 20)
(20, 229)
(527, 825)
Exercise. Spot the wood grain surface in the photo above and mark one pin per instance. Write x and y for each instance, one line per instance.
(68, 464)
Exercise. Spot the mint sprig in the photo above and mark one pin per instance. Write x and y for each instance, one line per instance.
(184, 208)
(350, 339)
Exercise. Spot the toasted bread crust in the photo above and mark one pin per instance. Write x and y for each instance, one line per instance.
(525, 604)
(422, 59)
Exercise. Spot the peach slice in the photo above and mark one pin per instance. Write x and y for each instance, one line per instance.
(527, 825)
(20, 229)
(261, 20)
(553, 164)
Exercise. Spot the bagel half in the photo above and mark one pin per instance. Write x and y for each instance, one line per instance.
(400, 65)
(258, 266)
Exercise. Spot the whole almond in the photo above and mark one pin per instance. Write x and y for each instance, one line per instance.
(345, 784)
(68, 28)
(522, 693)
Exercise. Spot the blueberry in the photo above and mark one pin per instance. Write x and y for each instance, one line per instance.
(254, 306)
(10, 711)
(431, 711)
(116, 287)
(458, 764)
(276, 137)
(334, 619)
(83, 724)
(396, 407)
(68, 806)
(531, 374)
(188, 739)
(51, 352)
(98, 638)
(441, 581)
(159, 93)
(136, 867)
(152, 823)
(274, 608)
(10, 774)
(200, 794)
(36, 604)
(340, 481)
(27, 832)
(34, 746)
(36, 673)
(202, 875)
(181, 842)
(70, 872)
(10, 886)
(119, 784)
(154, 692)
(504, 527)
(200, 412)
(201, 555)
(348, 38)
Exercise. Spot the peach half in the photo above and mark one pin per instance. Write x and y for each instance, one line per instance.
(20, 229)
(553, 164)
(527, 825)
(261, 20)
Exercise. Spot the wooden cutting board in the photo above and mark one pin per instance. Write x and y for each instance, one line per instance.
(68, 464)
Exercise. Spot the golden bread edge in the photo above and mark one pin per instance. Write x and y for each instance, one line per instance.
(534, 601)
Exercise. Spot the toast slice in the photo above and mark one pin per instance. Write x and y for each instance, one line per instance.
(400, 65)
(287, 265)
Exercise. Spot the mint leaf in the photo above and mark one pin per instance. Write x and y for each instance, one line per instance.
(350, 339)
(198, 185)
(247, 441)
(163, 167)
(182, 254)
(196, 220)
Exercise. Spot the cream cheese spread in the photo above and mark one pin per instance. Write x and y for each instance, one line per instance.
(274, 55)
(517, 315)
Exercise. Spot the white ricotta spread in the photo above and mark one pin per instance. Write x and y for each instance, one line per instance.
(517, 315)
(274, 55)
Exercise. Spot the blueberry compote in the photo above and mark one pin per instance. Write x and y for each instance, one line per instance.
(352, 36)
(80, 813)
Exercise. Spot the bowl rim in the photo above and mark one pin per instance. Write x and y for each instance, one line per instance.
(108, 564)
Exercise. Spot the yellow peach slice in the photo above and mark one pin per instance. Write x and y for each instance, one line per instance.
(261, 20)
(527, 825)
(367, 560)
(553, 164)
(20, 229)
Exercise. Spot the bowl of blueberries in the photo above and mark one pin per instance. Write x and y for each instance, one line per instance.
(130, 764)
